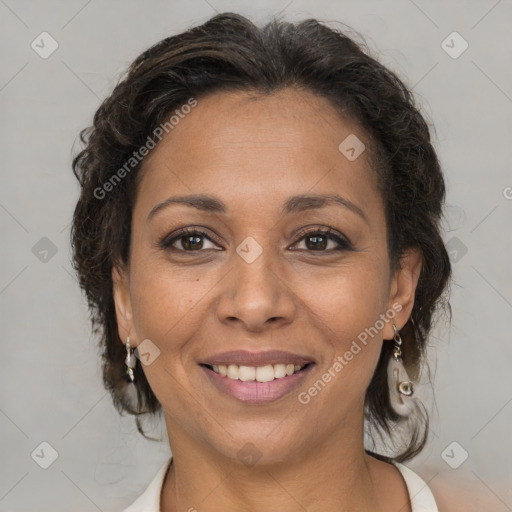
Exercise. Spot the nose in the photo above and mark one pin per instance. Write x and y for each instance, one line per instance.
(255, 296)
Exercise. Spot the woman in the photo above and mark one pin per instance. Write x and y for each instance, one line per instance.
(259, 219)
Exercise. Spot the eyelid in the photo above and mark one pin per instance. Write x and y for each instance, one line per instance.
(342, 240)
(167, 240)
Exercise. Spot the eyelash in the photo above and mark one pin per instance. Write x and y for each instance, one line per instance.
(343, 244)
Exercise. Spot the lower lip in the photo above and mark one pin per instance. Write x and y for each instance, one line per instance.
(253, 392)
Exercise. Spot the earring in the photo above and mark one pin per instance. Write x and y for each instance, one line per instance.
(129, 361)
(401, 388)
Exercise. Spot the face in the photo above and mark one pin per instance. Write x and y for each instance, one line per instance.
(253, 267)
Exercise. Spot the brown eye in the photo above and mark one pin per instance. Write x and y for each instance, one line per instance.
(192, 242)
(315, 242)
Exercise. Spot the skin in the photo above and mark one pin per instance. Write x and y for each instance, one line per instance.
(254, 152)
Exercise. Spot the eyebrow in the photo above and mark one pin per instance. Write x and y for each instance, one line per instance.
(294, 204)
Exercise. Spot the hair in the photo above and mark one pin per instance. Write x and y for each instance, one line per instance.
(229, 53)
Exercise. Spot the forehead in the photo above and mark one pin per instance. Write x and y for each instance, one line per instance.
(253, 148)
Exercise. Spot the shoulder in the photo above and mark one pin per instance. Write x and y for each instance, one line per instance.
(149, 500)
(454, 491)
(420, 495)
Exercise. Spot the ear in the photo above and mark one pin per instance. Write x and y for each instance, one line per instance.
(402, 290)
(123, 304)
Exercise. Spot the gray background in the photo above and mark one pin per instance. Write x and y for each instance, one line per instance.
(50, 386)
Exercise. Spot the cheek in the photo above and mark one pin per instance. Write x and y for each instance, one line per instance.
(347, 309)
(347, 300)
(348, 317)
(166, 310)
(165, 303)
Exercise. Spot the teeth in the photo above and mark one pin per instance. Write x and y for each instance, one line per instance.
(233, 371)
(265, 373)
(279, 371)
(246, 373)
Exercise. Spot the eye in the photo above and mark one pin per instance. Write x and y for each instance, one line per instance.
(318, 240)
(193, 240)
(186, 240)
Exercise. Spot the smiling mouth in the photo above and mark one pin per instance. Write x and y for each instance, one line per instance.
(266, 373)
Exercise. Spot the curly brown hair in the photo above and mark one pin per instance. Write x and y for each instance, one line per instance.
(230, 53)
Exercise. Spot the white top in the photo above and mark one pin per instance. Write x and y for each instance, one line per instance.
(422, 499)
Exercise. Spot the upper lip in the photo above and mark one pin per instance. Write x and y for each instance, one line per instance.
(247, 358)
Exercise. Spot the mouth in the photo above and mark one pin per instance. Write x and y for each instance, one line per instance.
(257, 378)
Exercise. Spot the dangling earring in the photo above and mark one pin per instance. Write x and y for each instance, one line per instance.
(129, 361)
(401, 388)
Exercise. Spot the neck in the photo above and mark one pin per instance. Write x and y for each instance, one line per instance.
(333, 476)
